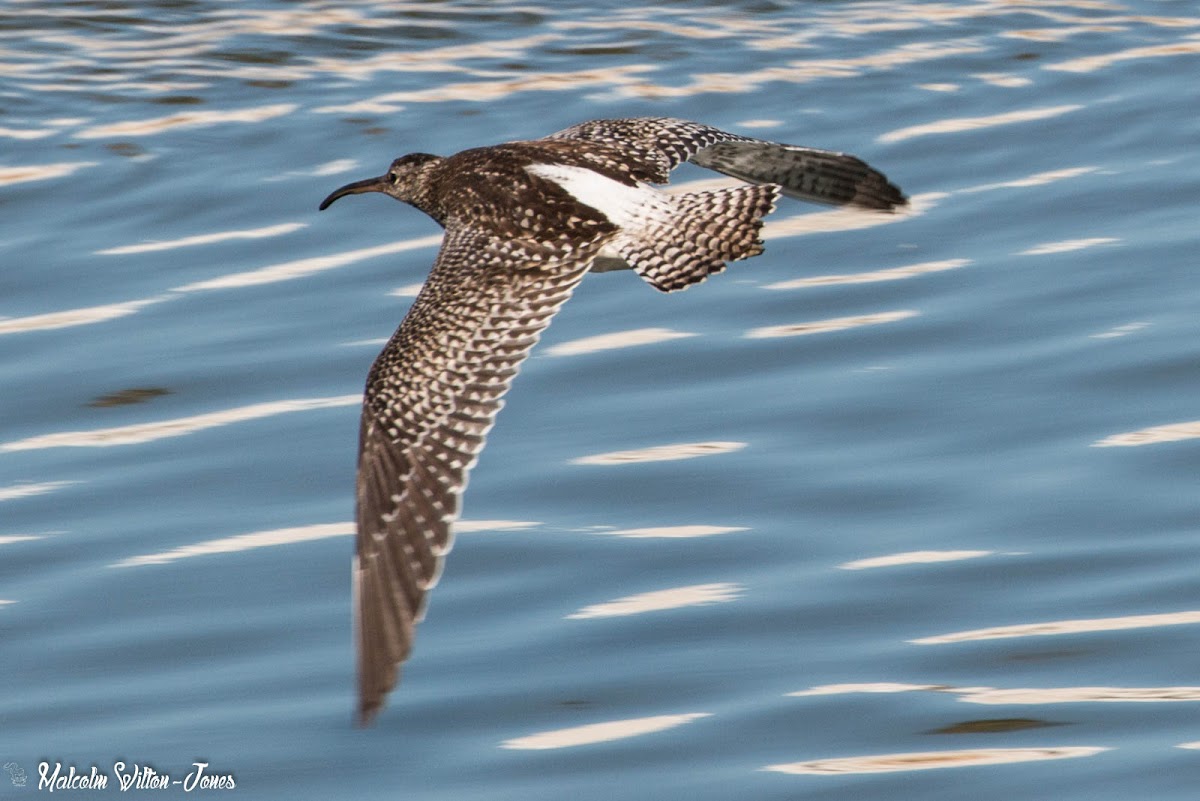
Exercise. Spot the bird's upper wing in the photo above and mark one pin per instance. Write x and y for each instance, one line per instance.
(431, 397)
(659, 144)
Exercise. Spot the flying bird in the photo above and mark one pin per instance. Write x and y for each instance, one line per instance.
(524, 222)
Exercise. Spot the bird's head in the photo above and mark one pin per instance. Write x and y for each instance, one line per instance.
(402, 180)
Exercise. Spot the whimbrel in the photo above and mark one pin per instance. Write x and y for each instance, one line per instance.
(524, 221)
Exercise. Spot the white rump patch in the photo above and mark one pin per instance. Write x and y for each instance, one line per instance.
(629, 207)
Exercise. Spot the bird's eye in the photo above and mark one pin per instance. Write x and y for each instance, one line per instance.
(393, 178)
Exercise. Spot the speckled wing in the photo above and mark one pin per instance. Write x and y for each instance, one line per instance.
(659, 144)
(431, 397)
(656, 145)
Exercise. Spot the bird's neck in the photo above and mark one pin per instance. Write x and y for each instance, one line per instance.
(422, 191)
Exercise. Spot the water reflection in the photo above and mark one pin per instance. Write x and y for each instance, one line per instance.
(447, 59)
(961, 124)
(1019, 695)
(1065, 627)
(41, 172)
(279, 272)
(464, 526)
(1185, 47)
(73, 317)
(912, 558)
(1068, 245)
(662, 453)
(1089, 695)
(199, 52)
(149, 432)
(30, 489)
(1037, 179)
(674, 532)
(868, 687)
(11, 538)
(675, 598)
(601, 732)
(1119, 331)
(299, 268)
(242, 542)
(407, 291)
(1002, 79)
(930, 760)
(496, 89)
(1173, 432)
(891, 274)
(293, 534)
(203, 239)
(846, 218)
(26, 133)
(185, 119)
(615, 340)
(832, 324)
(797, 71)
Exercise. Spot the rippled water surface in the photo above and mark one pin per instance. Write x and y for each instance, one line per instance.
(904, 508)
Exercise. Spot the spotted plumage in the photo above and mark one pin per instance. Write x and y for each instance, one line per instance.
(525, 221)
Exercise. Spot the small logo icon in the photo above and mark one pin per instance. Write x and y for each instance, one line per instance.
(16, 773)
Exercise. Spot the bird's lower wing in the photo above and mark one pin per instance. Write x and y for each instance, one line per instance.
(431, 397)
(804, 173)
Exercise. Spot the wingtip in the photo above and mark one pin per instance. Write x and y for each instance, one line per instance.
(880, 195)
(365, 716)
(898, 205)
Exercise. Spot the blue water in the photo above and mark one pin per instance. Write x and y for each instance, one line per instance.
(938, 532)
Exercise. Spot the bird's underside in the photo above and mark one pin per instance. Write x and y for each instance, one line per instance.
(525, 221)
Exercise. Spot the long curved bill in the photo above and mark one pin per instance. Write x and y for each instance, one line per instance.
(356, 188)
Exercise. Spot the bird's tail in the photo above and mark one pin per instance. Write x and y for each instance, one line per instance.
(805, 173)
(704, 231)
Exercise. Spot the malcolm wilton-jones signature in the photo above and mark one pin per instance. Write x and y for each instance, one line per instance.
(56, 776)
